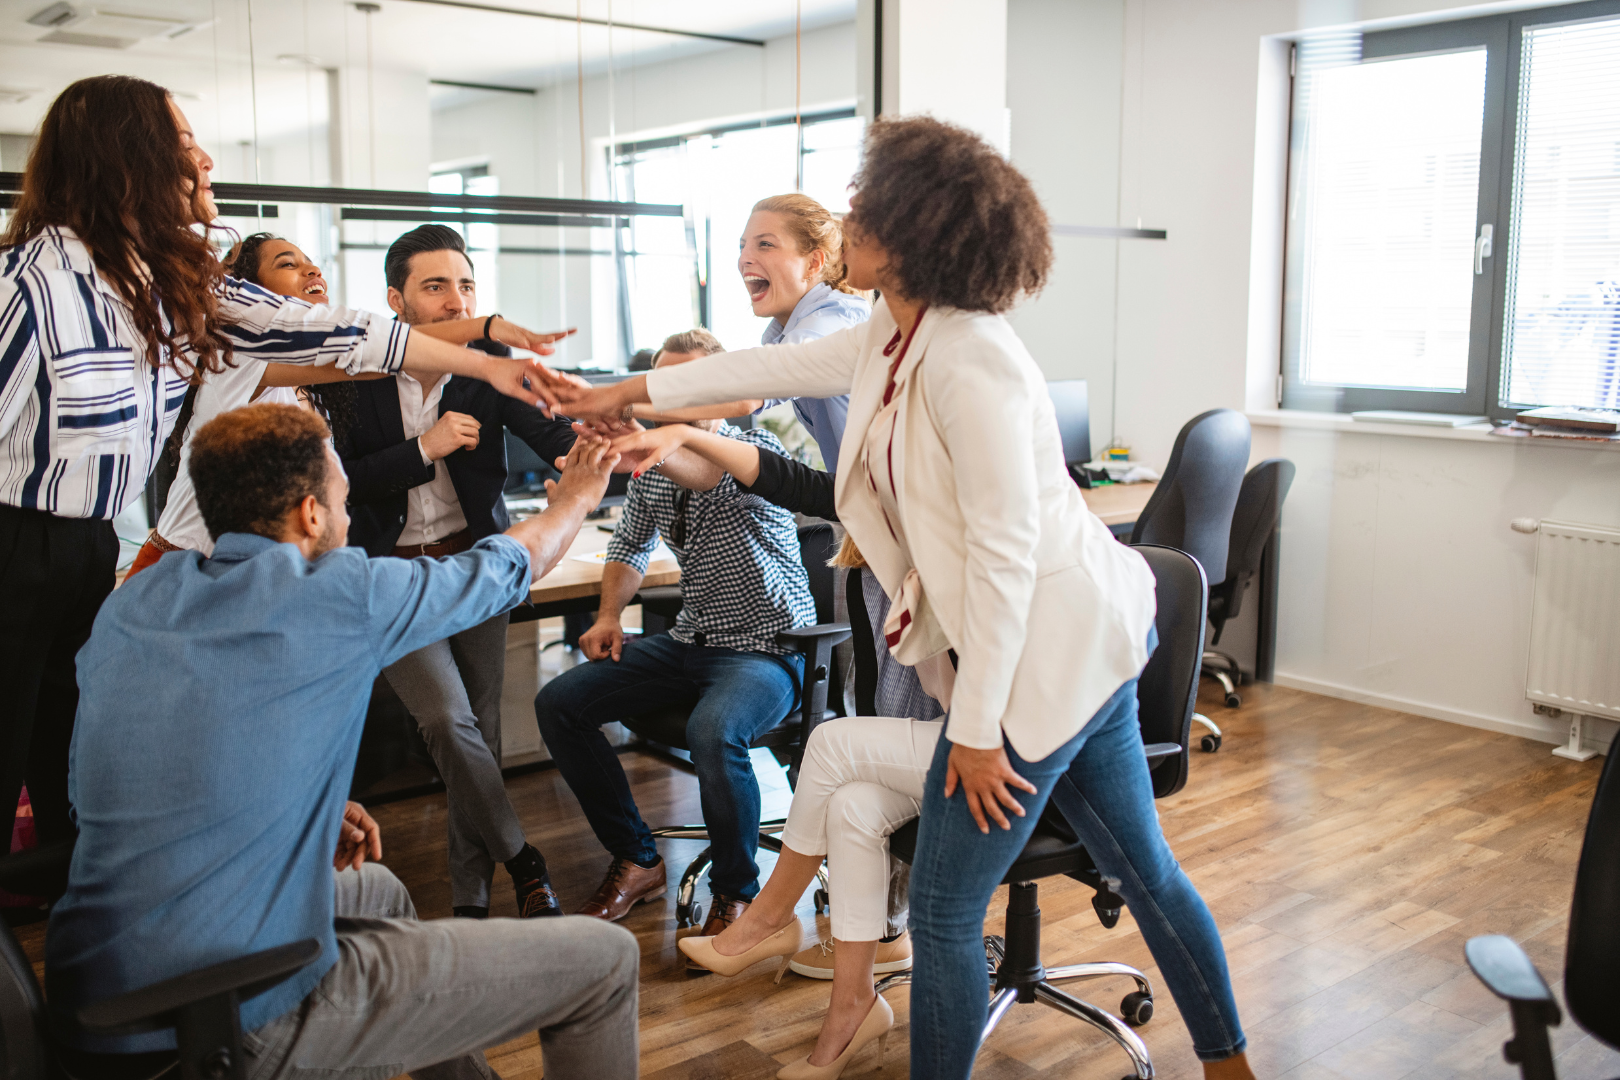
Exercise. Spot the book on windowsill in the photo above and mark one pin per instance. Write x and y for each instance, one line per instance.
(1573, 418)
(1516, 430)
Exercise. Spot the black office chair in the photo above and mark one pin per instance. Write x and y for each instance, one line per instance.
(1259, 509)
(203, 1006)
(1165, 694)
(1191, 510)
(667, 727)
(1591, 958)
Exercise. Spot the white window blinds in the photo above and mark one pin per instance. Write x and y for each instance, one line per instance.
(1391, 176)
(1562, 332)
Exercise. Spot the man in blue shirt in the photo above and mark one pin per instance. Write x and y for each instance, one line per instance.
(219, 717)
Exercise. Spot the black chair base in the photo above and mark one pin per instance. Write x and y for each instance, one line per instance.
(1018, 977)
(688, 912)
(1225, 670)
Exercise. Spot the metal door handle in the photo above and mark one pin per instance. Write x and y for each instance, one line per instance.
(1482, 248)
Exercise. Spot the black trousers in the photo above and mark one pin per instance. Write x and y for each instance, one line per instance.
(54, 574)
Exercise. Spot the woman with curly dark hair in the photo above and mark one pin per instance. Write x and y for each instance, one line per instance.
(951, 481)
(112, 304)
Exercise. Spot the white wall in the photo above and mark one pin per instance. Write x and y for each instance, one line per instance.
(1401, 583)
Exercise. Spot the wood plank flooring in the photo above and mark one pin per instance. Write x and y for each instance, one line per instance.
(1347, 853)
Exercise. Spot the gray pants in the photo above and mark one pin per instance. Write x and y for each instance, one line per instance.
(427, 998)
(453, 689)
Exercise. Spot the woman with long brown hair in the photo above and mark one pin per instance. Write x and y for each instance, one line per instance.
(112, 303)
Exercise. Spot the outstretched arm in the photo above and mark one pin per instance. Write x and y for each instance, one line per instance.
(585, 476)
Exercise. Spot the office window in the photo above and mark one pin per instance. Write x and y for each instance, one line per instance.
(1454, 216)
(1563, 309)
(483, 241)
(678, 274)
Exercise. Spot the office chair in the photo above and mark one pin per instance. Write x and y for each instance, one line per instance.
(667, 727)
(203, 1006)
(1591, 959)
(1191, 509)
(1165, 694)
(1259, 509)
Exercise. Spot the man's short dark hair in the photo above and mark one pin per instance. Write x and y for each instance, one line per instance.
(419, 241)
(251, 465)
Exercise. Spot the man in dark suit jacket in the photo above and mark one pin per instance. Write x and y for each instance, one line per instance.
(426, 467)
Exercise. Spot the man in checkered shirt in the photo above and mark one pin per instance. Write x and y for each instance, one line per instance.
(742, 582)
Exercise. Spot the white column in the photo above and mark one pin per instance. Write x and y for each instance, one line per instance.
(946, 58)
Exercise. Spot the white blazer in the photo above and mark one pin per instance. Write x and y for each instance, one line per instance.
(1047, 612)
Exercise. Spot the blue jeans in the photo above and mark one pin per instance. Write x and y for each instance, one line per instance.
(734, 696)
(1099, 780)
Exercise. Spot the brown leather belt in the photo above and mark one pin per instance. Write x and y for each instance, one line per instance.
(453, 544)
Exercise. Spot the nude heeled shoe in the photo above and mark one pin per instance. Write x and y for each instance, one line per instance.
(877, 1025)
(784, 943)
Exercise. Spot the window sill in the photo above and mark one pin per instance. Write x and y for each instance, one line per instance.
(1303, 420)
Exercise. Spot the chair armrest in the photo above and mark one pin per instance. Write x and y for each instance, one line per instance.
(661, 600)
(804, 638)
(145, 1009)
(1507, 972)
(1158, 751)
(815, 644)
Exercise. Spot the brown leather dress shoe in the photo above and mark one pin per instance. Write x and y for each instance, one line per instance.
(625, 886)
(723, 911)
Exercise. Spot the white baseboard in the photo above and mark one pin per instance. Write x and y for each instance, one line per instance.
(1551, 731)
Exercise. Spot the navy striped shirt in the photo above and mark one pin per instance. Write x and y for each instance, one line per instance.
(84, 414)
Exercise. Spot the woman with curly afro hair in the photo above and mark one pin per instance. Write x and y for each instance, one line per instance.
(1018, 608)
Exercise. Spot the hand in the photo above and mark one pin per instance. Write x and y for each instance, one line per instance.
(452, 431)
(529, 381)
(650, 449)
(984, 776)
(510, 333)
(604, 639)
(600, 402)
(358, 838)
(608, 430)
(585, 472)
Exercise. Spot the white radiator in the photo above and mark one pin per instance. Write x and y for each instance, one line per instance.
(1575, 626)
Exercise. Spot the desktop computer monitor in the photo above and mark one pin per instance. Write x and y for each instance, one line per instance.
(1073, 417)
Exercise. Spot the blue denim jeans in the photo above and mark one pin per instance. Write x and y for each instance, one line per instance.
(1099, 780)
(734, 697)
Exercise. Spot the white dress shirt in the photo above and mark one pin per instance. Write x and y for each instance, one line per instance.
(433, 511)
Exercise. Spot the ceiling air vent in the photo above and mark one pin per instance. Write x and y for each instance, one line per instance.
(102, 29)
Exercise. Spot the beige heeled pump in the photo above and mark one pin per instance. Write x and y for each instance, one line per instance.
(877, 1025)
(784, 943)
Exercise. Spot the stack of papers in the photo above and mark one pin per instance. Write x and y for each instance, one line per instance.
(598, 557)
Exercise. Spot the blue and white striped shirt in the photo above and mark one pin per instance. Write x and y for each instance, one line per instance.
(84, 414)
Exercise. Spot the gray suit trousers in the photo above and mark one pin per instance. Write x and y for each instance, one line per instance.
(427, 998)
(453, 689)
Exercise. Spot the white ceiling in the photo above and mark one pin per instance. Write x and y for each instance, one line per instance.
(214, 72)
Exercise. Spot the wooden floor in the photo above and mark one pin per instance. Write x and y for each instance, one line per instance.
(1347, 853)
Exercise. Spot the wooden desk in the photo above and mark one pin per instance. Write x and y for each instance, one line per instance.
(1118, 504)
(574, 586)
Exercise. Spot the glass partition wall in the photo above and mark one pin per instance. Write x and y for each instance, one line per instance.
(599, 160)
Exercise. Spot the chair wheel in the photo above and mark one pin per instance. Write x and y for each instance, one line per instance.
(1233, 701)
(823, 902)
(1136, 1009)
(1210, 743)
(694, 916)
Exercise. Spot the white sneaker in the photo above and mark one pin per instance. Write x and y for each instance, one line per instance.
(816, 962)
